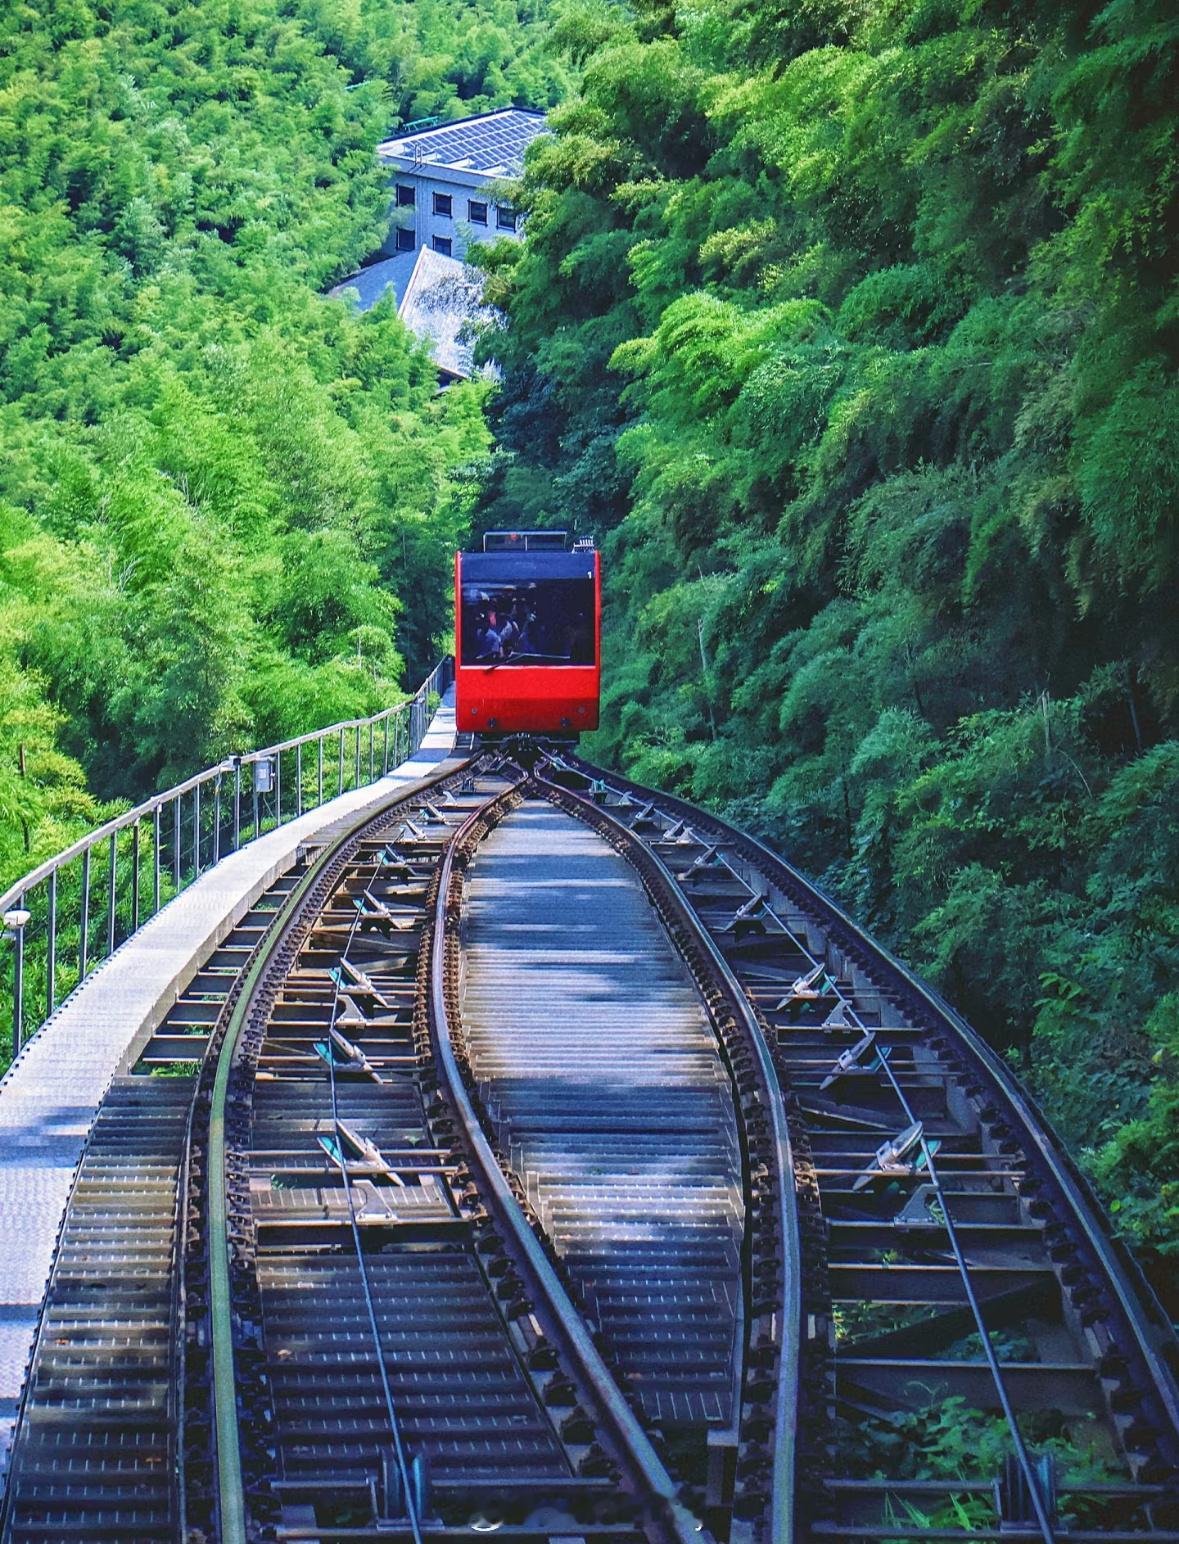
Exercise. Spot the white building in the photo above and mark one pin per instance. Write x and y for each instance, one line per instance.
(437, 297)
(447, 180)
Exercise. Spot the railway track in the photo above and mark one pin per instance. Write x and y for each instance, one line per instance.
(96, 1455)
(382, 1337)
(956, 1274)
(550, 1159)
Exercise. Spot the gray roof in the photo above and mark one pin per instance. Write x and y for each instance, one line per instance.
(443, 297)
(372, 282)
(492, 144)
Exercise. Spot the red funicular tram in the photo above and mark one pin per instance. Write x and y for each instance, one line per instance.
(528, 624)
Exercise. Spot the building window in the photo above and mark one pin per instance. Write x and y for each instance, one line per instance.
(505, 218)
(443, 204)
(476, 212)
(405, 195)
(442, 244)
(404, 240)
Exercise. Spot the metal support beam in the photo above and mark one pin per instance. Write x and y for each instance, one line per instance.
(112, 872)
(18, 984)
(155, 860)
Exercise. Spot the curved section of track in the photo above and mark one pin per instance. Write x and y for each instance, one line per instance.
(956, 1272)
(666, 1208)
(764, 1499)
(598, 1068)
(642, 1467)
(392, 1349)
(367, 1335)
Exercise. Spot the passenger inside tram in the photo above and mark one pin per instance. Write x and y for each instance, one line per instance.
(545, 622)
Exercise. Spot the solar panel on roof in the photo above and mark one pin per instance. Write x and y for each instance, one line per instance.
(482, 144)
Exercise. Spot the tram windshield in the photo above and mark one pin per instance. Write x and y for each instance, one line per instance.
(531, 622)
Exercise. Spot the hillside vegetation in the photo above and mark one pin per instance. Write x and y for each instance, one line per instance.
(227, 506)
(852, 327)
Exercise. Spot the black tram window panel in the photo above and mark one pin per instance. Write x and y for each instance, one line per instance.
(406, 196)
(529, 622)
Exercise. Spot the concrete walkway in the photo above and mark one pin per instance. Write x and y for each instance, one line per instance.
(50, 1094)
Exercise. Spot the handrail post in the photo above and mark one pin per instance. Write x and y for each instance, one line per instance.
(155, 859)
(371, 764)
(196, 831)
(112, 871)
(340, 782)
(356, 784)
(18, 983)
(51, 941)
(257, 807)
(385, 756)
(278, 788)
(299, 779)
(319, 771)
(237, 802)
(135, 877)
(217, 818)
(176, 842)
(84, 920)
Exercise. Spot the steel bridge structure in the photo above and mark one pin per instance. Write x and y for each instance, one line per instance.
(408, 1139)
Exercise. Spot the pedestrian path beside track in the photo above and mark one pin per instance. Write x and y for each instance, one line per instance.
(50, 1096)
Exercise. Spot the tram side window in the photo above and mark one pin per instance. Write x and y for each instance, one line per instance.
(543, 622)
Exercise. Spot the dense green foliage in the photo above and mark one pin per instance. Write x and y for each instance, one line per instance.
(219, 492)
(852, 328)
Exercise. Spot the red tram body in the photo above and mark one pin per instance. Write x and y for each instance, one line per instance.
(528, 627)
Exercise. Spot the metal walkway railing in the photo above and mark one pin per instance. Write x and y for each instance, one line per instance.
(56, 933)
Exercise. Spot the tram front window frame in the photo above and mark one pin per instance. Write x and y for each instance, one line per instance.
(529, 622)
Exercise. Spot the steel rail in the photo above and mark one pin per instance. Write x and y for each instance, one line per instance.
(633, 1444)
(1141, 1312)
(785, 1432)
(1027, 1468)
(230, 1493)
(1031, 1479)
(411, 1508)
